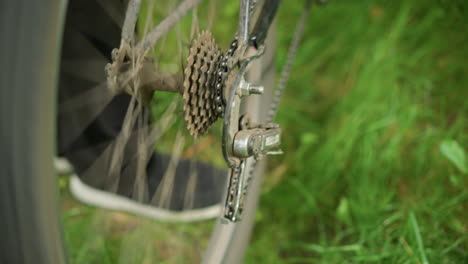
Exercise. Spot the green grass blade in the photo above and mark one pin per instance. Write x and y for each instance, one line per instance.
(419, 241)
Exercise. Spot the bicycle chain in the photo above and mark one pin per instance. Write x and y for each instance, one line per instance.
(204, 89)
(273, 108)
(234, 182)
(203, 79)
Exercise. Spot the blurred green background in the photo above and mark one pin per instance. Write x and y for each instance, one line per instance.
(375, 121)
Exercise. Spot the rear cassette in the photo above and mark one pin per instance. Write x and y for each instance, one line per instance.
(200, 78)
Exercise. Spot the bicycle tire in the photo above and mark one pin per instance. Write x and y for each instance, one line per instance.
(28, 206)
(29, 223)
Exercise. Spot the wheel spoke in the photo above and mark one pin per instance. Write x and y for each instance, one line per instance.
(163, 195)
(85, 108)
(162, 28)
(112, 9)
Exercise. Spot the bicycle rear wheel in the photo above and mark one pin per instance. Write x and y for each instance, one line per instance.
(29, 198)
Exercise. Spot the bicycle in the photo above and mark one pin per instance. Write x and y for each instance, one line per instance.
(213, 86)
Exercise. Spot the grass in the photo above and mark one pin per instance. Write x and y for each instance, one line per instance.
(378, 93)
(375, 121)
(97, 236)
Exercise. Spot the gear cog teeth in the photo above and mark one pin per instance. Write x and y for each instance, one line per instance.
(200, 78)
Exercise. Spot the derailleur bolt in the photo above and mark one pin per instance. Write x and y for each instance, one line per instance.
(256, 89)
(246, 88)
